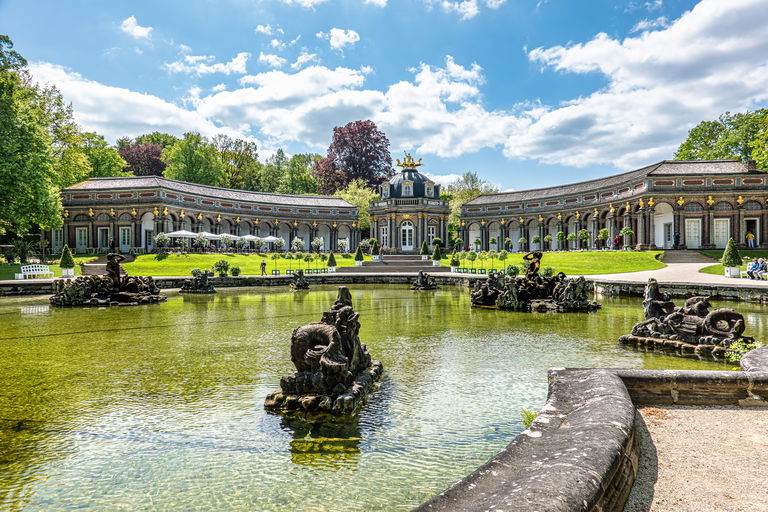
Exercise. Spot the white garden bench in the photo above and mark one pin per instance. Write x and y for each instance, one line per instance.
(34, 271)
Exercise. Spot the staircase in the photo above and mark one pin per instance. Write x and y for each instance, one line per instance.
(395, 264)
(685, 256)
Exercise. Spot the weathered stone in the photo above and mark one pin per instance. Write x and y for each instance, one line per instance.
(424, 282)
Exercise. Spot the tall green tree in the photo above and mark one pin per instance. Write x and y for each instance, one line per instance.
(360, 195)
(297, 178)
(164, 140)
(464, 189)
(28, 181)
(104, 160)
(730, 136)
(194, 159)
(272, 172)
(241, 164)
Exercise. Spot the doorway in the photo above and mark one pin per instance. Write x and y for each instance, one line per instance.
(406, 235)
(103, 238)
(693, 233)
(667, 240)
(752, 226)
(126, 234)
(81, 240)
(721, 232)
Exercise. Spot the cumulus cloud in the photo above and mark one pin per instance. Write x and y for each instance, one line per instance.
(377, 3)
(466, 9)
(304, 58)
(205, 65)
(339, 38)
(307, 4)
(271, 60)
(646, 24)
(131, 27)
(269, 30)
(219, 88)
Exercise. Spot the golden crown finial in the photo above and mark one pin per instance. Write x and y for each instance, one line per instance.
(408, 162)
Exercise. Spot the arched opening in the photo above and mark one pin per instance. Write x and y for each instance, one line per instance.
(148, 231)
(473, 234)
(494, 232)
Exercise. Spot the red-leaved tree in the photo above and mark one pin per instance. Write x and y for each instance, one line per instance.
(143, 159)
(358, 150)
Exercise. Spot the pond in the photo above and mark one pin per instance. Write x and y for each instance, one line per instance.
(160, 407)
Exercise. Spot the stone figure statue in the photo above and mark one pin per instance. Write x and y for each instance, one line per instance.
(113, 268)
(299, 282)
(334, 371)
(200, 283)
(693, 323)
(424, 282)
(534, 263)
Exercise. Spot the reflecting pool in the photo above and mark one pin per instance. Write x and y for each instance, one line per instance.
(160, 407)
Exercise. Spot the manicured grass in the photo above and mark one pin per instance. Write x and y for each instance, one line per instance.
(9, 271)
(250, 264)
(717, 254)
(582, 262)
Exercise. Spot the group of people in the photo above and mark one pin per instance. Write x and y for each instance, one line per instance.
(757, 268)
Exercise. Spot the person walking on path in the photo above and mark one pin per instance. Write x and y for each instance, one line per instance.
(676, 241)
(750, 240)
(263, 267)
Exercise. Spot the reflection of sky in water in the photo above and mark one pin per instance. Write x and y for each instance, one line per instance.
(160, 407)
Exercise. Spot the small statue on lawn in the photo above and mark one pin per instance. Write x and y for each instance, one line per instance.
(299, 282)
(200, 283)
(424, 282)
(534, 263)
(334, 372)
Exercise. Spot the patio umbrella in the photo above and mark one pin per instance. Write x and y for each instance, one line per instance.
(269, 239)
(250, 238)
(182, 234)
(209, 236)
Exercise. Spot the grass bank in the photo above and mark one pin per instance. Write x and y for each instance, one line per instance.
(9, 271)
(718, 269)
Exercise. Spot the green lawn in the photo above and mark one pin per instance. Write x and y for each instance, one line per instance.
(9, 271)
(717, 254)
(584, 262)
(250, 264)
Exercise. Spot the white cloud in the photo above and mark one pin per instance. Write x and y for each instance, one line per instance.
(269, 30)
(304, 58)
(646, 24)
(339, 38)
(131, 27)
(377, 3)
(466, 9)
(204, 65)
(277, 44)
(271, 60)
(443, 179)
(219, 88)
(307, 4)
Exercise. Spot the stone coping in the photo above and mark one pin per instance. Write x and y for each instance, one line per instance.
(581, 452)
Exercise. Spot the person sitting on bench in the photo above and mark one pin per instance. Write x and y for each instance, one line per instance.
(752, 267)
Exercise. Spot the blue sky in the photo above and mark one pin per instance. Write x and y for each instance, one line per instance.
(527, 93)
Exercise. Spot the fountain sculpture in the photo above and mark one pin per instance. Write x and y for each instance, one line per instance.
(424, 282)
(691, 329)
(533, 292)
(334, 372)
(299, 282)
(106, 290)
(200, 283)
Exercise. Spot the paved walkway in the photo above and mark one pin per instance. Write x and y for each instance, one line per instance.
(680, 273)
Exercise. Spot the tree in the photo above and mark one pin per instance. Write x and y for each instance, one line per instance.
(164, 140)
(194, 159)
(424, 251)
(297, 177)
(731, 256)
(29, 192)
(272, 172)
(241, 164)
(331, 260)
(143, 159)
(583, 236)
(360, 195)
(358, 151)
(359, 254)
(104, 160)
(67, 261)
(464, 189)
(730, 136)
(436, 255)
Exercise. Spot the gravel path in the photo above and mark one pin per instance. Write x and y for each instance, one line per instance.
(696, 459)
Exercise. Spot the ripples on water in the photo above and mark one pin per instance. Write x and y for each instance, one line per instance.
(160, 407)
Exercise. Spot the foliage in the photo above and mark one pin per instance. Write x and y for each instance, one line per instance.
(740, 135)
(424, 251)
(626, 231)
(512, 270)
(358, 151)
(536, 239)
(221, 267)
(583, 235)
(196, 160)
(527, 417)
(437, 241)
(571, 237)
(234, 270)
(200, 242)
(376, 251)
(478, 243)
(463, 190)
(548, 238)
(507, 242)
(331, 260)
(297, 177)
(241, 167)
(279, 244)
(365, 245)
(316, 244)
(66, 258)
(164, 140)
(458, 242)
(162, 240)
(360, 195)
(240, 243)
(731, 256)
(436, 253)
(104, 160)
(226, 241)
(503, 255)
(342, 245)
(522, 241)
(472, 256)
(143, 159)
(359, 254)
(455, 262)
(493, 241)
(603, 234)
(547, 271)
(560, 236)
(297, 244)
(737, 350)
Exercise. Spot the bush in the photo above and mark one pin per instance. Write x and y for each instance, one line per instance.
(603, 234)
(738, 349)
(359, 254)
(437, 241)
(331, 260)
(560, 236)
(547, 271)
(221, 267)
(342, 245)
(162, 240)
(527, 417)
(455, 259)
(364, 244)
(436, 253)
(297, 244)
(458, 242)
(522, 241)
(424, 251)
(67, 261)
(226, 241)
(513, 270)
(235, 271)
(200, 241)
(375, 251)
(731, 256)
(627, 231)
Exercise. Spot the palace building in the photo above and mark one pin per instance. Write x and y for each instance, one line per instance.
(703, 202)
(409, 210)
(132, 210)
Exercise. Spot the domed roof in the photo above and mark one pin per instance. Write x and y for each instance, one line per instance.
(409, 182)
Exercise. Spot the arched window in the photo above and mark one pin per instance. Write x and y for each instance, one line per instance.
(752, 205)
(723, 206)
(406, 235)
(102, 217)
(693, 207)
(430, 191)
(385, 191)
(407, 189)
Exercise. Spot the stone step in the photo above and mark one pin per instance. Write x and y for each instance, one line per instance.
(390, 269)
(402, 263)
(686, 256)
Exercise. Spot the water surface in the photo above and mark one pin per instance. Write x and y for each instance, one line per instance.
(160, 407)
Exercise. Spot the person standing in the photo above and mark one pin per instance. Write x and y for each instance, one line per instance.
(676, 241)
(750, 240)
(263, 267)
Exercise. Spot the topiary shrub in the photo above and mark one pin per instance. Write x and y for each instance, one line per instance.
(221, 267)
(375, 251)
(359, 254)
(331, 260)
(67, 261)
(436, 253)
(731, 256)
(235, 271)
(455, 259)
(424, 249)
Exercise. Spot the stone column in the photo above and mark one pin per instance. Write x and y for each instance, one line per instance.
(679, 227)
(641, 239)
(627, 223)
(651, 228)
(521, 235)
(741, 228)
(708, 227)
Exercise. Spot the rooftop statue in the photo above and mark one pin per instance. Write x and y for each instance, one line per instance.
(334, 372)
(408, 162)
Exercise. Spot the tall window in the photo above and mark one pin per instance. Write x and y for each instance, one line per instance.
(385, 191)
(58, 239)
(430, 191)
(406, 235)
(385, 236)
(407, 189)
(430, 234)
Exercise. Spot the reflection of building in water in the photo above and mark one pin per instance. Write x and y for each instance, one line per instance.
(325, 446)
(36, 309)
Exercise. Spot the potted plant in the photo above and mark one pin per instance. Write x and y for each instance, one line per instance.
(455, 262)
(279, 244)
(67, 263)
(458, 243)
(226, 241)
(297, 244)
(583, 236)
(235, 271)
(548, 241)
(603, 235)
(626, 233)
(513, 270)
(522, 241)
(342, 245)
(375, 251)
(560, 238)
(438, 242)
(331, 262)
(365, 245)
(503, 255)
(731, 260)
(472, 256)
(537, 240)
(162, 241)
(507, 243)
(359, 257)
(424, 251)
(492, 242)
(571, 239)
(478, 244)
(436, 256)
(222, 267)
(316, 244)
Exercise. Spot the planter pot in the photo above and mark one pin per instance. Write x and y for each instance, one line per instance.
(424, 257)
(435, 263)
(733, 272)
(454, 269)
(331, 269)
(375, 258)
(358, 263)
(67, 272)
